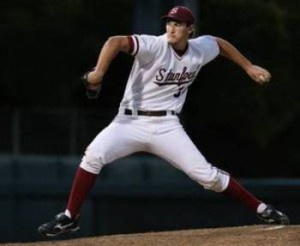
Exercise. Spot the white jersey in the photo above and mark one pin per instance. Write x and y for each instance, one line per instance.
(158, 82)
(160, 78)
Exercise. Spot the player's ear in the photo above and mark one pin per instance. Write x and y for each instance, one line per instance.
(191, 30)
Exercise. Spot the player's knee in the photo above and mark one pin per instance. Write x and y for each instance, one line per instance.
(219, 181)
(91, 162)
(211, 179)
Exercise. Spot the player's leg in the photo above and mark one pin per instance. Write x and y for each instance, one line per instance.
(177, 148)
(115, 141)
(265, 212)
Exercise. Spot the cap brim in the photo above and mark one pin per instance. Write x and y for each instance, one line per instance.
(167, 17)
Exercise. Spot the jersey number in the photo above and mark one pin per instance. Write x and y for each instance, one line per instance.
(180, 92)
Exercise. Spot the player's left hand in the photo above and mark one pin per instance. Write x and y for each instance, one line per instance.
(258, 74)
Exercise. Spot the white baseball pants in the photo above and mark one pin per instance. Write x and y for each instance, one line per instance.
(163, 136)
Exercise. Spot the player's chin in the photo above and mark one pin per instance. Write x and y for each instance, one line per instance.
(172, 40)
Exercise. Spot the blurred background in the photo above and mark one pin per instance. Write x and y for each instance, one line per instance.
(46, 121)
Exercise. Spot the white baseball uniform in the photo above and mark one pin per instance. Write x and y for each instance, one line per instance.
(158, 82)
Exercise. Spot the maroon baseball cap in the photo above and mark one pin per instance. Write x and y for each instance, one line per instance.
(180, 13)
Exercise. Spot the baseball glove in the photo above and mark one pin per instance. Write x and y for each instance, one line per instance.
(92, 90)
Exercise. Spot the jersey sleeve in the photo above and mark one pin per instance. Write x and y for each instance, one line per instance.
(208, 46)
(143, 47)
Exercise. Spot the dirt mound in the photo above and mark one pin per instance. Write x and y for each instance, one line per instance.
(245, 235)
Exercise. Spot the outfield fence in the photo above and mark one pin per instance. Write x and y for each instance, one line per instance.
(139, 193)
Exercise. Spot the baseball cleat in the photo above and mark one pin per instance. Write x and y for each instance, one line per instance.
(272, 216)
(59, 225)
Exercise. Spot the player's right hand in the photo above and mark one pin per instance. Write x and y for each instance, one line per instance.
(91, 85)
(93, 77)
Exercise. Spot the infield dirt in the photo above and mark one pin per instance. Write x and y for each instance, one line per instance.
(258, 235)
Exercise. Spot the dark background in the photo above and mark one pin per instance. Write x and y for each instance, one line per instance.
(249, 130)
(47, 45)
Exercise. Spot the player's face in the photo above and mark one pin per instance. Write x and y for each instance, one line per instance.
(178, 33)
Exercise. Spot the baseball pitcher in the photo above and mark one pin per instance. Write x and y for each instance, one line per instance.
(164, 68)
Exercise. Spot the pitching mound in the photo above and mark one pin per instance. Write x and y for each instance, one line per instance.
(245, 235)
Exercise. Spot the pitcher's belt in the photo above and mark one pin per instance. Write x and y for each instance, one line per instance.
(149, 113)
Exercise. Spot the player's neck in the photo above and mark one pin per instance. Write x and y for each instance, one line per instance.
(181, 50)
(182, 46)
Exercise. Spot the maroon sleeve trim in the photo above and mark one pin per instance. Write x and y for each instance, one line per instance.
(137, 46)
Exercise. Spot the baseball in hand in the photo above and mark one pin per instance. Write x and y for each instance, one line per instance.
(263, 78)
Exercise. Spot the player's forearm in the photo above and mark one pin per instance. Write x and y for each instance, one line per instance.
(230, 52)
(110, 50)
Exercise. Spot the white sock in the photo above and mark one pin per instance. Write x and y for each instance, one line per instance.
(68, 214)
(261, 207)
